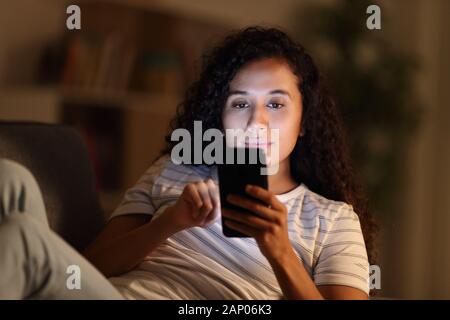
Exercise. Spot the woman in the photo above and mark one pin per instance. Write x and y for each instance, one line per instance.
(257, 79)
(165, 240)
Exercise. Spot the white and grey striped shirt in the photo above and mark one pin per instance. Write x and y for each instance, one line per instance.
(201, 263)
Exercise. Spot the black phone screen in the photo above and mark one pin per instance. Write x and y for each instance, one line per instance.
(233, 177)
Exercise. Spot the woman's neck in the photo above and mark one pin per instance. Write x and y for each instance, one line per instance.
(282, 181)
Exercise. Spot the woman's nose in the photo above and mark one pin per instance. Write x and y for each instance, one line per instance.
(258, 118)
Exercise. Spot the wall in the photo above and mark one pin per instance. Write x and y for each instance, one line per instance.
(417, 245)
(25, 25)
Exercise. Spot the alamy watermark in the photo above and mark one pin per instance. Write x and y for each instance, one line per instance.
(73, 21)
(373, 22)
(262, 146)
(73, 281)
(374, 277)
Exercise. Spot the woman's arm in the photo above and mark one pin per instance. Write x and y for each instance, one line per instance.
(126, 241)
(296, 283)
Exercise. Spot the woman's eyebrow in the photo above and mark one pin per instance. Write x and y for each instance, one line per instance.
(277, 91)
(280, 91)
(233, 92)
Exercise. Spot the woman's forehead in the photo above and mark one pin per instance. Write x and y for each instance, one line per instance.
(264, 76)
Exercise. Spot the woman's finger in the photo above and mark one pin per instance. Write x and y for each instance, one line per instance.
(247, 219)
(241, 228)
(264, 195)
(213, 193)
(215, 198)
(206, 199)
(252, 205)
(193, 197)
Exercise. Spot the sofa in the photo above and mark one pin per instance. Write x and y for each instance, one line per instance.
(58, 158)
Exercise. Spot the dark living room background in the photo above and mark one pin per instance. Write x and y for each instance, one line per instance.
(119, 79)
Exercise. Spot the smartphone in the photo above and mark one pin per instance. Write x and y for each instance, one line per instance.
(233, 177)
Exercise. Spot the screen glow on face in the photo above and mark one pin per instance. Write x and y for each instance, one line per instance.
(264, 97)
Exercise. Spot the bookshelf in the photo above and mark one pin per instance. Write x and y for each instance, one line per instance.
(117, 81)
(137, 128)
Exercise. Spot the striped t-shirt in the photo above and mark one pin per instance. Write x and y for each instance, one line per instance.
(201, 263)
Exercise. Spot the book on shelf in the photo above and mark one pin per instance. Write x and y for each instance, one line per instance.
(99, 64)
(112, 65)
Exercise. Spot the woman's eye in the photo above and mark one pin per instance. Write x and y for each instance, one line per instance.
(275, 105)
(240, 105)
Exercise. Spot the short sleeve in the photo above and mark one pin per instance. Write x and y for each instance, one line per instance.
(138, 199)
(343, 256)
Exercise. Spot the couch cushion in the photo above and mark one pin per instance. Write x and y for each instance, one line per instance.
(58, 158)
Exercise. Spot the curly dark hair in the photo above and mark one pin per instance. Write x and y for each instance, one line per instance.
(320, 158)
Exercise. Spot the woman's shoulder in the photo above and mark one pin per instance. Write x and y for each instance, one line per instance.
(325, 208)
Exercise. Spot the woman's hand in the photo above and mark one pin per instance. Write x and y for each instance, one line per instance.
(268, 226)
(198, 206)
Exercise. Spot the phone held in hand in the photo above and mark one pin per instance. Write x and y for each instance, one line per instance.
(235, 175)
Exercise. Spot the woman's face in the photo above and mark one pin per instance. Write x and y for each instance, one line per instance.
(264, 96)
